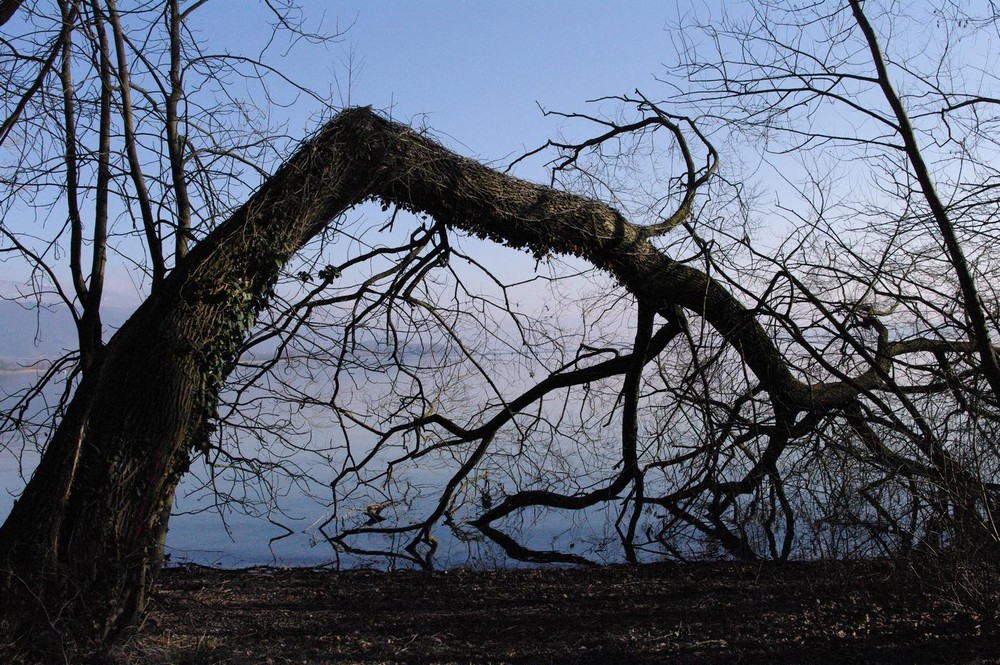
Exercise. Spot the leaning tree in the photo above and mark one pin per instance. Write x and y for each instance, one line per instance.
(845, 375)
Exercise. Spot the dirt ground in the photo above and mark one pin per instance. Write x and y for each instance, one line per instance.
(659, 613)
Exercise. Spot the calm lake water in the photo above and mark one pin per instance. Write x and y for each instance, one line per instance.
(205, 533)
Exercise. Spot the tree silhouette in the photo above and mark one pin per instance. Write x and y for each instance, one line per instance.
(752, 388)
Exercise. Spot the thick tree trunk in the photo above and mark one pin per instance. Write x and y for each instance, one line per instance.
(82, 545)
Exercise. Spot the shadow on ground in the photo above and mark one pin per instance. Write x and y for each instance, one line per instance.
(658, 613)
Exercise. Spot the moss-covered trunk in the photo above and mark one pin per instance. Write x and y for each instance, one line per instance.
(82, 545)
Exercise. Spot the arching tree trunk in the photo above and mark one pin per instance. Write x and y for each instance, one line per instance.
(82, 545)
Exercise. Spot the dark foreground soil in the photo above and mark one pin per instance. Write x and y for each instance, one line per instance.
(662, 613)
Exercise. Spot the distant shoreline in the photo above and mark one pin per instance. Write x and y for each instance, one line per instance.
(7, 367)
(20, 370)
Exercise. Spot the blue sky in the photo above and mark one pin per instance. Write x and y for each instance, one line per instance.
(474, 72)
(479, 69)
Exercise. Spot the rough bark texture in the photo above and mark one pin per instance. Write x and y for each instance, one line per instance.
(82, 545)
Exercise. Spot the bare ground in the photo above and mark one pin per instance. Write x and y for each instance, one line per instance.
(659, 613)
